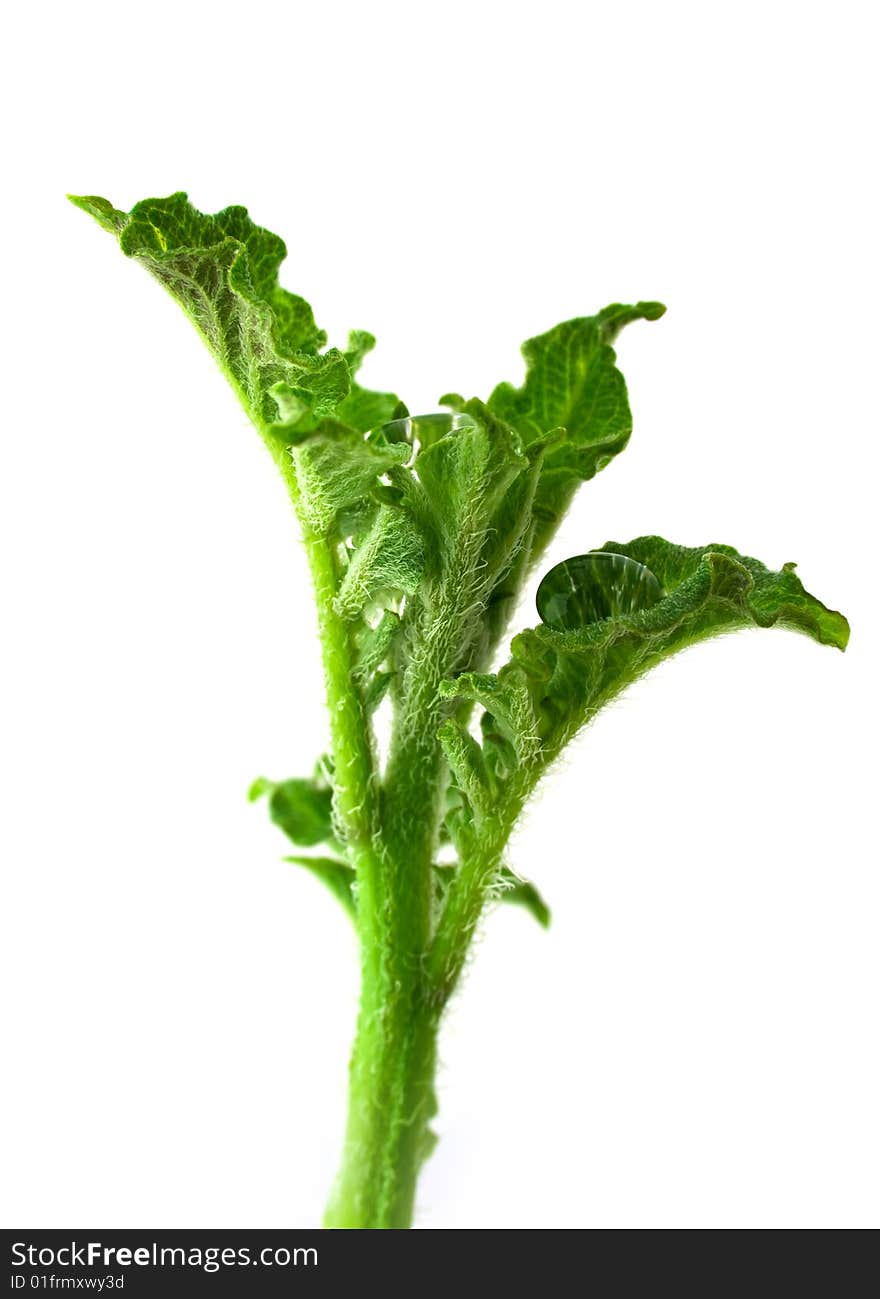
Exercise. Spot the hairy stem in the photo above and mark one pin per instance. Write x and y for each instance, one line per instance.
(390, 832)
(391, 1100)
(391, 1091)
(391, 1095)
(389, 838)
(391, 1081)
(465, 900)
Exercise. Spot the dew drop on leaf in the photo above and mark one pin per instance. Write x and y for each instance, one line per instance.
(588, 588)
(421, 430)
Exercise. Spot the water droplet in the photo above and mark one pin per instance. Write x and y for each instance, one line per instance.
(420, 430)
(588, 588)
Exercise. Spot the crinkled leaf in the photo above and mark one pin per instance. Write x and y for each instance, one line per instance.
(572, 386)
(388, 563)
(223, 270)
(337, 470)
(465, 474)
(469, 499)
(557, 680)
(736, 590)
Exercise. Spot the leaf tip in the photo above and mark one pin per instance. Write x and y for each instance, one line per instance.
(258, 788)
(453, 400)
(542, 913)
(839, 630)
(652, 310)
(106, 215)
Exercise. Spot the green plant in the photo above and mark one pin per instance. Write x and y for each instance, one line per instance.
(421, 533)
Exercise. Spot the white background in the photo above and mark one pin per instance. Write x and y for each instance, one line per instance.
(694, 1043)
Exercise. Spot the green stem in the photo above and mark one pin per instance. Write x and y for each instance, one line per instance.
(391, 1081)
(389, 842)
(391, 1084)
(392, 1065)
(391, 1093)
(355, 777)
(465, 900)
(390, 836)
(391, 1100)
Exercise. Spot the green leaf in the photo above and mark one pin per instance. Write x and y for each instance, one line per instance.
(301, 808)
(373, 646)
(741, 591)
(337, 471)
(468, 494)
(508, 887)
(373, 643)
(339, 878)
(556, 680)
(464, 476)
(522, 893)
(388, 563)
(363, 409)
(573, 387)
(223, 270)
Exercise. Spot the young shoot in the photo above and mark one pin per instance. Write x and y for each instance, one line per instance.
(421, 532)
